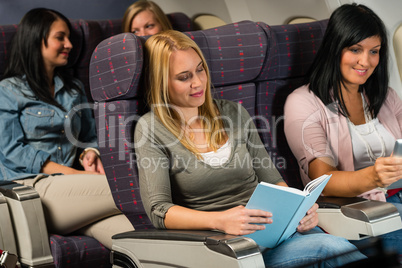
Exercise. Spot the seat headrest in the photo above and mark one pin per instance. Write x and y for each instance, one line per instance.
(235, 52)
(116, 67)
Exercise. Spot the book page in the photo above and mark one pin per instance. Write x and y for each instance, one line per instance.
(284, 188)
(314, 184)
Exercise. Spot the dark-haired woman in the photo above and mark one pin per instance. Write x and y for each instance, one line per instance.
(45, 127)
(346, 119)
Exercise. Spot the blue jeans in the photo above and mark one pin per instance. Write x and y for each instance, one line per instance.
(312, 247)
(393, 240)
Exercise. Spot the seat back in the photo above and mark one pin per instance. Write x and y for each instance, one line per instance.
(180, 21)
(207, 21)
(115, 74)
(292, 49)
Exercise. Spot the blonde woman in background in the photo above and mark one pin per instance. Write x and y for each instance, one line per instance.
(145, 18)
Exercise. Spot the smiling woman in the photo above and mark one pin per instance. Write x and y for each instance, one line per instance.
(37, 95)
(56, 47)
(345, 121)
(358, 63)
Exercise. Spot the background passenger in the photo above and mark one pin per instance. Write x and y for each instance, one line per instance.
(189, 144)
(42, 124)
(345, 121)
(145, 18)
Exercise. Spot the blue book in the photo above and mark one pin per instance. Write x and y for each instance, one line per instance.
(287, 205)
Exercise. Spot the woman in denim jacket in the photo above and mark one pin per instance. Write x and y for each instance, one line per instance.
(46, 124)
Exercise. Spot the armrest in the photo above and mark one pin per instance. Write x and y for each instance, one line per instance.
(31, 235)
(357, 218)
(183, 248)
(7, 239)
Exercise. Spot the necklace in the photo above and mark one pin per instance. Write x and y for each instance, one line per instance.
(371, 128)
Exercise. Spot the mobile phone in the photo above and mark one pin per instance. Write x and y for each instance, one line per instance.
(397, 148)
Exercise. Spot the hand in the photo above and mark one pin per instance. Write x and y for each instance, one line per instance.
(240, 220)
(387, 170)
(310, 220)
(92, 163)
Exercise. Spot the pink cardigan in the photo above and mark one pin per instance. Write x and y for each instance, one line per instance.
(314, 130)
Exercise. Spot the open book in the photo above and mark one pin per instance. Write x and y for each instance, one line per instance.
(287, 205)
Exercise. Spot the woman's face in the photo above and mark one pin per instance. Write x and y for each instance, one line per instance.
(187, 79)
(359, 61)
(145, 23)
(58, 47)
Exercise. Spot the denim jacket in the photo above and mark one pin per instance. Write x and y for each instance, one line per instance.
(34, 131)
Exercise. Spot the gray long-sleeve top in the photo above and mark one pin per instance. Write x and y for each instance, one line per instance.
(171, 175)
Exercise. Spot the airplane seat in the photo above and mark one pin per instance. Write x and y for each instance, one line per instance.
(397, 42)
(207, 21)
(292, 50)
(180, 21)
(298, 20)
(92, 32)
(7, 236)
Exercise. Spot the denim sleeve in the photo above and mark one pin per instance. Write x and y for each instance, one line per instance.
(15, 154)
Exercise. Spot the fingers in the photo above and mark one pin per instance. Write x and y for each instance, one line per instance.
(310, 220)
(99, 167)
(93, 163)
(240, 220)
(90, 157)
(387, 170)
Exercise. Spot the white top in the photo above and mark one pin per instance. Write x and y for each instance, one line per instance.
(371, 133)
(218, 158)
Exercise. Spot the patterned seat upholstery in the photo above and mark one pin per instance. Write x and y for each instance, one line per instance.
(180, 21)
(115, 74)
(292, 50)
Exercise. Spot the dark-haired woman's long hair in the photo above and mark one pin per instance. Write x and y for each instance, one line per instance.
(348, 25)
(26, 57)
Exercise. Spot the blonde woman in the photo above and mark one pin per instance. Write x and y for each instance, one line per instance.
(145, 18)
(188, 152)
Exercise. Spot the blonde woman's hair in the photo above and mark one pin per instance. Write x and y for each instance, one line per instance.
(140, 6)
(160, 47)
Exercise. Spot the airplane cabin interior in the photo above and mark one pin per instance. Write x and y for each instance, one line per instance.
(257, 52)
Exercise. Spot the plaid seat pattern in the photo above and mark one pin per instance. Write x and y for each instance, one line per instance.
(292, 50)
